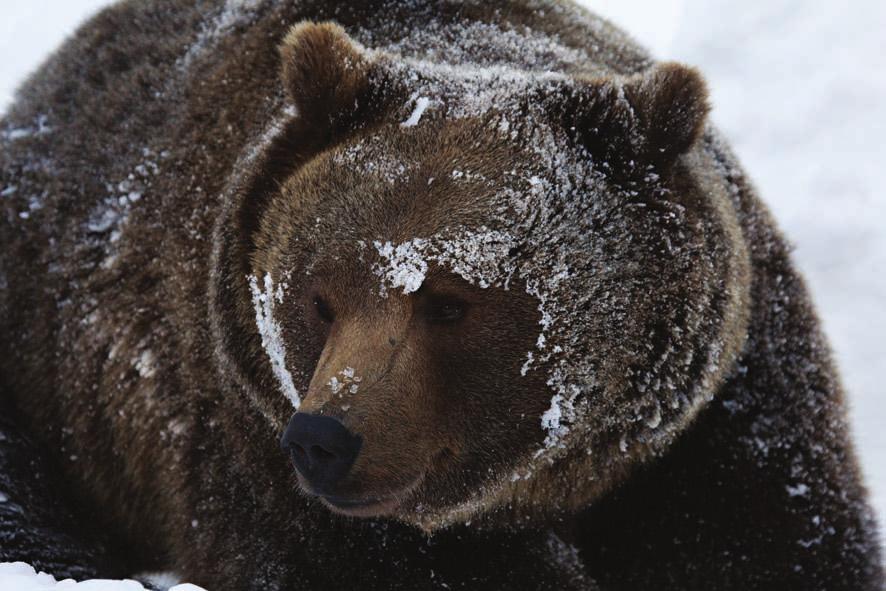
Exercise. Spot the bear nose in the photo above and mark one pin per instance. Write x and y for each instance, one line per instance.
(321, 448)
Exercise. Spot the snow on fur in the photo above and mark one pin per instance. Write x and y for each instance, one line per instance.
(404, 264)
(421, 103)
(478, 257)
(263, 300)
(231, 14)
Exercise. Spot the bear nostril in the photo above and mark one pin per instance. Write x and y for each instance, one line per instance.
(299, 454)
(320, 455)
(321, 449)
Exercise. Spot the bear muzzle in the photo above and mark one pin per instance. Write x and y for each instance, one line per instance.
(324, 452)
(321, 449)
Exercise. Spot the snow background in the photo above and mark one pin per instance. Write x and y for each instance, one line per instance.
(18, 576)
(799, 87)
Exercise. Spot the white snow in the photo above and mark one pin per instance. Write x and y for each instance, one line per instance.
(334, 384)
(797, 491)
(348, 384)
(421, 104)
(404, 264)
(272, 334)
(551, 422)
(18, 576)
(144, 364)
(476, 256)
(161, 580)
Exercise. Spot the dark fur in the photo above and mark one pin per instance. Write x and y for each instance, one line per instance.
(148, 369)
(38, 524)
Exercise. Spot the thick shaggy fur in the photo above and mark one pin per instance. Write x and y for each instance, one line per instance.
(38, 522)
(156, 162)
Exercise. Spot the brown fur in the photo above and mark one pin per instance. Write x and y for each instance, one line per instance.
(136, 354)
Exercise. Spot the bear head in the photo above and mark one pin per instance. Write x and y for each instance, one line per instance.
(482, 291)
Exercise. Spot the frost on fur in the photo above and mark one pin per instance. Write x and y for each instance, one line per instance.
(479, 257)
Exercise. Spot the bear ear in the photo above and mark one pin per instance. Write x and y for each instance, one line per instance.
(671, 105)
(649, 118)
(326, 75)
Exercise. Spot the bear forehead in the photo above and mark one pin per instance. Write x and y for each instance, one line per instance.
(448, 176)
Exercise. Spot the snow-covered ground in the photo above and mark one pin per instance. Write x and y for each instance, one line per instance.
(18, 576)
(799, 88)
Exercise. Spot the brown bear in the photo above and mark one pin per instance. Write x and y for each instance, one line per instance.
(483, 271)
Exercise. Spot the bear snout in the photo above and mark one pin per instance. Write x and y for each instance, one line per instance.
(321, 448)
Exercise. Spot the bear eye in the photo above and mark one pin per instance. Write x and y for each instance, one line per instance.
(444, 309)
(323, 310)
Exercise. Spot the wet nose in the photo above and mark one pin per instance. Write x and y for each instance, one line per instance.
(321, 448)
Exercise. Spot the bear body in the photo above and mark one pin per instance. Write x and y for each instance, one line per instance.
(497, 243)
(37, 521)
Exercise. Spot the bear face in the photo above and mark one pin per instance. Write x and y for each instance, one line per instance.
(512, 272)
(398, 344)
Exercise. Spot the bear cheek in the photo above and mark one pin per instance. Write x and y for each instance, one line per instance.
(489, 411)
